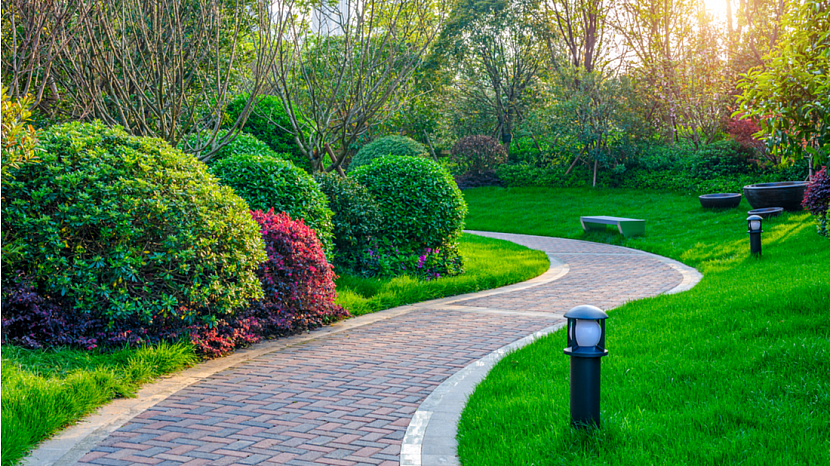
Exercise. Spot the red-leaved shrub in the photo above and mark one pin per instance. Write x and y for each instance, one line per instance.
(297, 280)
(817, 199)
(742, 131)
(478, 154)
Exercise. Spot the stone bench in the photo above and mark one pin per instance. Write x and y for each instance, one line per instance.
(626, 226)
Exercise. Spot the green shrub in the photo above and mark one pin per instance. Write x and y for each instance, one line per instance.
(268, 122)
(128, 228)
(388, 145)
(356, 217)
(242, 144)
(420, 203)
(269, 182)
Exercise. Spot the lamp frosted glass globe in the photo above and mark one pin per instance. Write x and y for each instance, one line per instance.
(587, 332)
(754, 225)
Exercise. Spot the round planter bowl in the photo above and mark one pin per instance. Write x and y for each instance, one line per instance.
(767, 212)
(720, 200)
(786, 194)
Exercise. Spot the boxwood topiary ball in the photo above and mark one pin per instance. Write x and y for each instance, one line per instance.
(388, 145)
(128, 228)
(269, 182)
(420, 203)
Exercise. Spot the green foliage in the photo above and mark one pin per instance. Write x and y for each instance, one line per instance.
(388, 145)
(740, 360)
(356, 217)
(18, 137)
(269, 182)
(268, 122)
(489, 263)
(242, 144)
(128, 228)
(790, 94)
(44, 391)
(420, 203)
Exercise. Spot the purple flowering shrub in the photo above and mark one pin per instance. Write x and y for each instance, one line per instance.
(817, 200)
(382, 260)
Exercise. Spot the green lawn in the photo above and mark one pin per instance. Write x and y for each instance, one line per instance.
(735, 371)
(45, 391)
(489, 263)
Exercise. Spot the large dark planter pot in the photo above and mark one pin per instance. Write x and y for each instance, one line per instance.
(720, 200)
(786, 194)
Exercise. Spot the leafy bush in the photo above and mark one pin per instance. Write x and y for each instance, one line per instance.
(383, 260)
(268, 182)
(242, 144)
(356, 218)
(268, 122)
(297, 281)
(478, 154)
(128, 228)
(17, 137)
(420, 203)
(388, 145)
(817, 200)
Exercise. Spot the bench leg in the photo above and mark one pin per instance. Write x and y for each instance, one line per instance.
(629, 229)
(587, 226)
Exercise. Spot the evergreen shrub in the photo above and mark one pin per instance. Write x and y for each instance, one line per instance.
(127, 229)
(388, 145)
(356, 219)
(268, 122)
(421, 206)
(269, 182)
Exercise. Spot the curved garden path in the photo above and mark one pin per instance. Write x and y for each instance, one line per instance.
(354, 394)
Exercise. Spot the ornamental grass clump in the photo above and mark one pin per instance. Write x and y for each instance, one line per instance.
(272, 183)
(127, 230)
(422, 213)
(388, 145)
(817, 200)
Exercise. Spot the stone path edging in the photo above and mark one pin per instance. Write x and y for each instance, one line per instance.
(433, 443)
(70, 445)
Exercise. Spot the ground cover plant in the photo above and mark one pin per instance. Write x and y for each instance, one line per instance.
(488, 263)
(735, 371)
(44, 391)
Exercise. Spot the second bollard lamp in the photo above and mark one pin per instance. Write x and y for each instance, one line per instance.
(754, 223)
(586, 345)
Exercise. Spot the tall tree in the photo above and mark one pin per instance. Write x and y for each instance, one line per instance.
(499, 46)
(346, 70)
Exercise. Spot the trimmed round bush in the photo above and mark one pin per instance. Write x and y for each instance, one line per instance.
(128, 229)
(242, 144)
(388, 145)
(421, 206)
(269, 182)
(356, 216)
(478, 154)
(267, 122)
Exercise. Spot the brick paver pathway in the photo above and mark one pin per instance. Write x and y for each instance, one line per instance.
(347, 399)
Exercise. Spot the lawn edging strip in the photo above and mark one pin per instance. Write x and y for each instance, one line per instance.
(71, 444)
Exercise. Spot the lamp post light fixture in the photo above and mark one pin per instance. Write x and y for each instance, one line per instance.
(586, 345)
(755, 230)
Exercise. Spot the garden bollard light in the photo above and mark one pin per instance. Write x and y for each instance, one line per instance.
(755, 234)
(586, 345)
